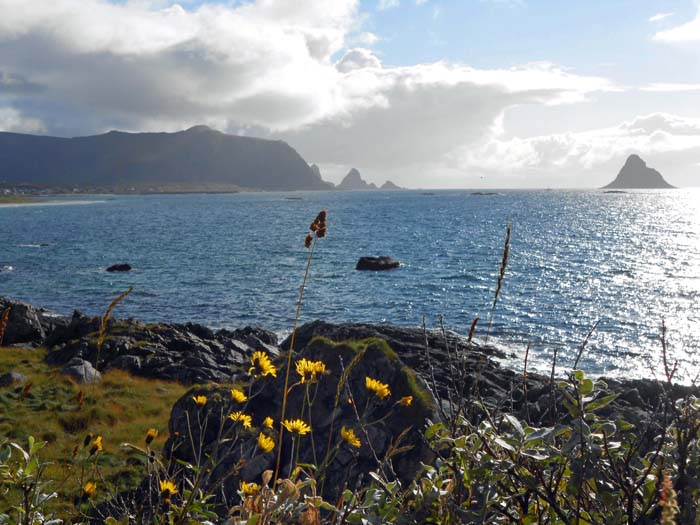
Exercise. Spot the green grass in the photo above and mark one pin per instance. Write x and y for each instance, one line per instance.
(14, 199)
(121, 409)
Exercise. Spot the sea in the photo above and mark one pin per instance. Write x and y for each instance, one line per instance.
(624, 263)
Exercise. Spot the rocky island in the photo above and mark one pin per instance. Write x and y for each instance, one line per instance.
(354, 181)
(635, 174)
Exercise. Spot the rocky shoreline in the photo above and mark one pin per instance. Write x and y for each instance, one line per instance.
(194, 354)
(441, 372)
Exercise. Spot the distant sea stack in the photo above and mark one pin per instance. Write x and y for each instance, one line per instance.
(635, 174)
(388, 185)
(197, 158)
(354, 181)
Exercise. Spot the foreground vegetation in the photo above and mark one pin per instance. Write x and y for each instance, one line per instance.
(54, 409)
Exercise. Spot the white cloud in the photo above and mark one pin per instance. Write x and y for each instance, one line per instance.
(688, 32)
(670, 87)
(660, 16)
(269, 68)
(13, 121)
(589, 158)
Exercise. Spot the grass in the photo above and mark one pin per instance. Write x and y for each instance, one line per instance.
(121, 409)
(14, 199)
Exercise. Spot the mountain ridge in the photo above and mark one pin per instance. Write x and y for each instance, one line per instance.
(197, 156)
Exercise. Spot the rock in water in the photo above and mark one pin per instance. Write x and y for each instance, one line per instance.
(377, 263)
(388, 185)
(119, 268)
(354, 181)
(635, 174)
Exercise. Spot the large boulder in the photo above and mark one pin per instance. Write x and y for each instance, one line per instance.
(28, 324)
(81, 371)
(11, 378)
(338, 400)
(377, 263)
(188, 353)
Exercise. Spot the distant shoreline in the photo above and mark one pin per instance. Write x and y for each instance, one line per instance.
(47, 203)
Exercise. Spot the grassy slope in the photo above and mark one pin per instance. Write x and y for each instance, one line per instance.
(121, 409)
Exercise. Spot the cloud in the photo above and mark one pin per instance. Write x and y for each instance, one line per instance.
(388, 4)
(13, 121)
(271, 68)
(660, 16)
(589, 158)
(688, 32)
(358, 58)
(670, 87)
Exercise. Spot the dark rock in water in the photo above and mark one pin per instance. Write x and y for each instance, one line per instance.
(377, 263)
(615, 191)
(388, 185)
(82, 371)
(11, 378)
(28, 324)
(636, 174)
(485, 193)
(119, 268)
(354, 181)
(332, 410)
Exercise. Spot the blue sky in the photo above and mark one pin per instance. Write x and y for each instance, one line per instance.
(428, 93)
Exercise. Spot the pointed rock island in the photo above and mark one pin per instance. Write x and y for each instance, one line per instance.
(635, 174)
(354, 181)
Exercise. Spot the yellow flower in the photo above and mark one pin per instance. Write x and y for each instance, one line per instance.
(89, 489)
(151, 434)
(238, 395)
(261, 364)
(309, 370)
(96, 445)
(167, 489)
(406, 401)
(378, 388)
(200, 400)
(350, 438)
(265, 443)
(268, 422)
(249, 488)
(240, 417)
(296, 426)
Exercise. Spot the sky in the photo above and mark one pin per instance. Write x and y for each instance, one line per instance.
(426, 93)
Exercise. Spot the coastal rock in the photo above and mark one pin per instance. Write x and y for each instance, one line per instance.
(123, 267)
(28, 324)
(333, 408)
(388, 185)
(636, 174)
(377, 263)
(11, 378)
(188, 353)
(82, 371)
(354, 181)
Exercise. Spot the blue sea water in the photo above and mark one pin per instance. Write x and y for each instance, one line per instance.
(628, 261)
